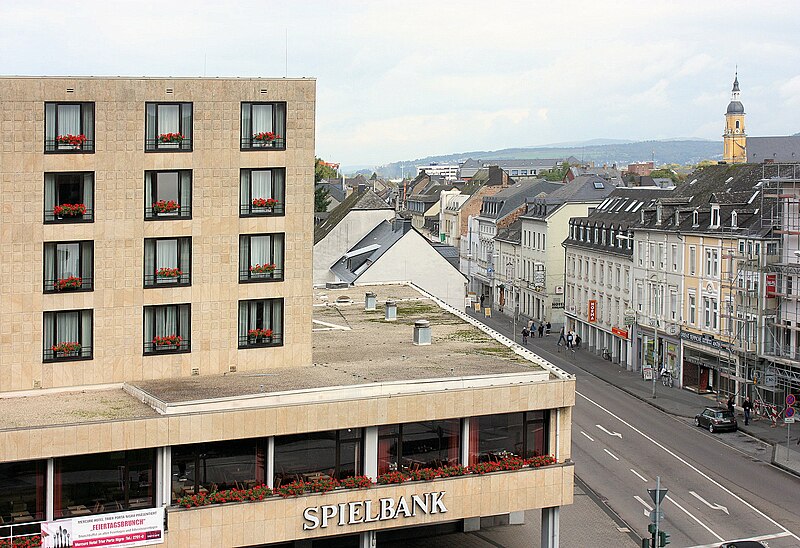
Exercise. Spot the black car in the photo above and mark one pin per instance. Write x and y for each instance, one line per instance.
(716, 419)
(743, 543)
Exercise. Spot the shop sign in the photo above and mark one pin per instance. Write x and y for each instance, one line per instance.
(557, 305)
(368, 511)
(771, 285)
(620, 332)
(592, 310)
(707, 340)
(135, 528)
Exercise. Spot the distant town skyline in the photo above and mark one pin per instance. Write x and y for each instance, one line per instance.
(402, 80)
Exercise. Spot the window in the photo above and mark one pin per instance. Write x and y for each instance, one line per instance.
(692, 260)
(692, 308)
(167, 328)
(262, 192)
(695, 218)
(67, 335)
(69, 127)
(230, 464)
(263, 126)
(673, 304)
(167, 262)
(640, 253)
(639, 296)
(417, 445)
(714, 216)
(68, 266)
(712, 263)
(68, 197)
(618, 278)
(520, 434)
(22, 491)
(674, 252)
(167, 195)
(260, 323)
(168, 127)
(260, 257)
(662, 256)
(652, 248)
(315, 455)
(104, 482)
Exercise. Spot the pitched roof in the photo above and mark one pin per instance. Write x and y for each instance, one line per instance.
(356, 201)
(775, 149)
(514, 196)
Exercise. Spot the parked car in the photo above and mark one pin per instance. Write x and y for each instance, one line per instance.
(716, 419)
(743, 544)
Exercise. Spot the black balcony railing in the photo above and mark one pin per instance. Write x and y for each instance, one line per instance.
(85, 353)
(183, 212)
(86, 284)
(153, 280)
(273, 276)
(184, 346)
(155, 145)
(50, 217)
(261, 342)
(53, 146)
(249, 210)
(248, 143)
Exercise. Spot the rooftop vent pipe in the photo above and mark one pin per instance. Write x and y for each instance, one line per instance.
(422, 332)
(391, 311)
(370, 299)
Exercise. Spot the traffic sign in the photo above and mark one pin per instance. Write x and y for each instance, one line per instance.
(788, 420)
(789, 413)
(653, 516)
(790, 400)
(657, 494)
(629, 320)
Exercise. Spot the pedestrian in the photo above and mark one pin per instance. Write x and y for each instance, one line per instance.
(730, 403)
(541, 330)
(577, 341)
(547, 327)
(483, 297)
(561, 338)
(570, 339)
(525, 334)
(747, 406)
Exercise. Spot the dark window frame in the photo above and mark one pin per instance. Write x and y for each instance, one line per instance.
(184, 211)
(85, 286)
(48, 356)
(246, 276)
(278, 334)
(187, 145)
(150, 281)
(246, 208)
(246, 143)
(528, 418)
(398, 437)
(356, 436)
(49, 217)
(88, 146)
(35, 470)
(185, 347)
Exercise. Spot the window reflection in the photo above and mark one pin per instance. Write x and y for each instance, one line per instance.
(318, 455)
(22, 492)
(494, 437)
(416, 445)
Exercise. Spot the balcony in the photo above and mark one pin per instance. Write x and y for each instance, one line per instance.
(158, 212)
(71, 284)
(276, 339)
(82, 353)
(274, 275)
(180, 278)
(182, 346)
(58, 215)
(158, 145)
(253, 210)
(251, 143)
(67, 146)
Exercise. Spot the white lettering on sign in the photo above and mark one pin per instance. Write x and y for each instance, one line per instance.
(350, 513)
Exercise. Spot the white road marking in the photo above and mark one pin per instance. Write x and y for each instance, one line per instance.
(647, 507)
(668, 451)
(587, 435)
(638, 475)
(609, 432)
(612, 454)
(712, 506)
(758, 539)
(331, 326)
(703, 525)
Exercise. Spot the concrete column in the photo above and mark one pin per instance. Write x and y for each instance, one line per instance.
(49, 487)
(472, 524)
(163, 476)
(550, 527)
(367, 539)
(371, 452)
(516, 518)
(465, 442)
(270, 471)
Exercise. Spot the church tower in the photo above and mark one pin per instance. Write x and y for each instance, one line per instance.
(734, 137)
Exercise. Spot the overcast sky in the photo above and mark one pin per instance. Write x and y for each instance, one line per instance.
(400, 80)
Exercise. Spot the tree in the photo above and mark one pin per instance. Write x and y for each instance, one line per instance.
(323, 171)
(557, 173)
(666, 173)
(321, 199)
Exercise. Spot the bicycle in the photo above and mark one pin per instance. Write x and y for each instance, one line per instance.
(606, 354)
(666, 379)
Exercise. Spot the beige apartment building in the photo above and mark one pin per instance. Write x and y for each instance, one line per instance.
(160, 380)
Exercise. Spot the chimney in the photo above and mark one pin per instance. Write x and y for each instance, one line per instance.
(390, 313)
(422, 333)
(369, 301)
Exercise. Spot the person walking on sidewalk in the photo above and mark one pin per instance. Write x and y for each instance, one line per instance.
(730, 403)
(541, 330)
(570, 340)
(525, 334)
(547, 327)
(747, 406)
(561, 338)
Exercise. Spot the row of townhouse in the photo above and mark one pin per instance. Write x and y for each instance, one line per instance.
(697, 281)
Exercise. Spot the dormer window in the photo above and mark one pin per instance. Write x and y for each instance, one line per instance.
(581, 234)
(714, 216)
(734, 219)
(695, 218)
(572, 231)
(596, 235)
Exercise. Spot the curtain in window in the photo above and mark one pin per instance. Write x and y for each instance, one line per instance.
(261, 184)
(50, 192)
(168, 119)
(183, 321)
(49, 263)
(254, 316)
(474, 440)
(148, 189)
(167, 186)
(166, 254)
(262, 119)
(67, 327)
(87, 117)
(280, 119)
(87, 252)
(276, 316)
(149, 257)
(259, 250)
(88, 189)
(278, 185)
(166, 319)
(67, 260)
(185, 191)
(243, 315)
(244, 254)
(151, 122)
(149, 324)
(69, 119)
(246, 122)
(184, 255)
(186, 120)
(245, 197)
(50, 121)
(49, 330)
(277, 250)
(86, 328)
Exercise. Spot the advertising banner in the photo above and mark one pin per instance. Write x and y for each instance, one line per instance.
(592, 311)
(771, 285)
(134, 528)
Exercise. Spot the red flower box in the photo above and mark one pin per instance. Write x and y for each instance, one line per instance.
(73, 282)
(265, 268)
(265, 202)
(167, 340)
(71, 140)
(165, 206)
(168, 272)
(265, 137)
(63, 349)
(69, 210)
(170, 138)
(260, 333)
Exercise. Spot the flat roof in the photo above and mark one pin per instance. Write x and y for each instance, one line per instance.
(356, 355)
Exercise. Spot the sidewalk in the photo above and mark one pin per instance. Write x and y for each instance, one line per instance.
(675, 401)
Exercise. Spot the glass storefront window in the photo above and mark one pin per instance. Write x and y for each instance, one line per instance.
(318, 455)
(493, 437)
(208, 467)
(416, 445)
(22, 491)
(103, 483)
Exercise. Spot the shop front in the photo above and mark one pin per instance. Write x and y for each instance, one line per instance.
(708, 365)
